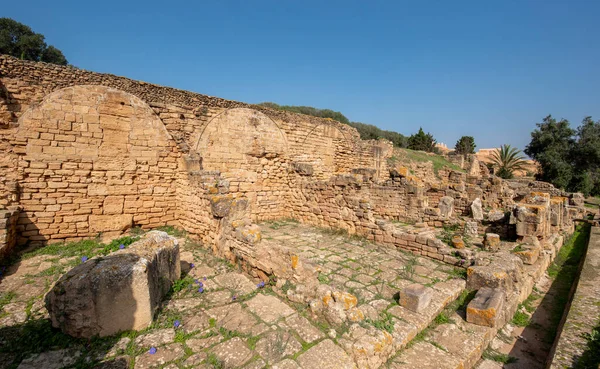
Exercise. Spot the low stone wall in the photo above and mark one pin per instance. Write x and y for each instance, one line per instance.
(8, 230)
(571, 347)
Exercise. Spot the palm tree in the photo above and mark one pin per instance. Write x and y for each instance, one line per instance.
(506, 160)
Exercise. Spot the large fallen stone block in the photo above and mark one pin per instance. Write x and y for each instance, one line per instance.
(121, 291)
(501, 270)
(415, 297)
(486, 307)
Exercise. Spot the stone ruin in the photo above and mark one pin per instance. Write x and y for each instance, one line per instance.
(84, 153)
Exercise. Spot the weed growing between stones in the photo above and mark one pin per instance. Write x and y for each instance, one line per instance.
(591, 356)
(172, 231)
(498, 357)
(385, 322)
(521, 319)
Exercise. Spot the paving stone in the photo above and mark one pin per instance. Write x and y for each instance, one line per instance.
(162, 356)
(304, 328)
(233, 353)
(415, 297)
(485, 308)
(276, 345)
(119, 347)
(325, 355)
(50, 360)
(233, 318)
(424, 355)
(184, 304)
(286, 364)
(194, 321)
(156, 338)
(236, 282)
(269, 308)
(197, 344)
(256, 364)
(122, 362)
(216, 298)
(195, 359)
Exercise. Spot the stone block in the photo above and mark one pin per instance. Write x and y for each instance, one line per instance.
(121, 291)
(486, 307)
(477, 209)
(471, 229)
(458, 242)
(415, 297)
(110, 223)
(491, 242)
(446, 206)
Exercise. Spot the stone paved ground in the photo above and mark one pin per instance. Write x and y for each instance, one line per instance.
(217, 317)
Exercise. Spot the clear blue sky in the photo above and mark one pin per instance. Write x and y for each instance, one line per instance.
(490, 69)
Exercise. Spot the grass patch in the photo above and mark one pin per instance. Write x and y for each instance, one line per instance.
(564, 271)
(498, 357)
(89, 247)
(521, 319)
(384, 322)
(438, 161)
(172, 231)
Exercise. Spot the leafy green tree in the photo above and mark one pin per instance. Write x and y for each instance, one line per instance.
(506, 160)
(465, 145)
(422, 141)
(585, 156)
(551, 146)
(20, 41)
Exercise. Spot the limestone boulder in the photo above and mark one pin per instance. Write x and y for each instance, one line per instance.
(446, 206)
(121, 291)
(477, 209)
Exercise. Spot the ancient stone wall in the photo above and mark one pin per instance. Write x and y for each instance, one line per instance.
(92, 153)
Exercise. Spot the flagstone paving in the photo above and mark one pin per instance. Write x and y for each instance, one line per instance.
(218, 317)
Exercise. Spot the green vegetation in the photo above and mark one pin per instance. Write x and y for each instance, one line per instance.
(438, 161)
(366, 131)
(568, 158)
(89, 248)
(20, 41)
(172, 231)
(421, 141)
(385, 322)
(496, 356)
(506, 160)
(465, 145)
(520, 319)
(591, 356)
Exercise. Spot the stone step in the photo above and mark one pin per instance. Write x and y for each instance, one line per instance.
(447, 346)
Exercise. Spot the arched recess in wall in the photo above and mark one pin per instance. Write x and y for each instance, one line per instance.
(327, 149)
(251, 152)
(95, 160)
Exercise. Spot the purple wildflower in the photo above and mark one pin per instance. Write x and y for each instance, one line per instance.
(191, 265)
(204, 278)
(152, 350)
(260, 284)
(84, 259)
(233, 297)
(200, 289)
(176, 324)
(121, 246)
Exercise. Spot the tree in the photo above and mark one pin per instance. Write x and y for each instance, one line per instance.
(465, 145)
(506, 160)
(551, 146)
(20, 41)
(421, 141)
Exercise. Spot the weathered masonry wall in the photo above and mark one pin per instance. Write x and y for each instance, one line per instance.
(83, 153)
(572, 349)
